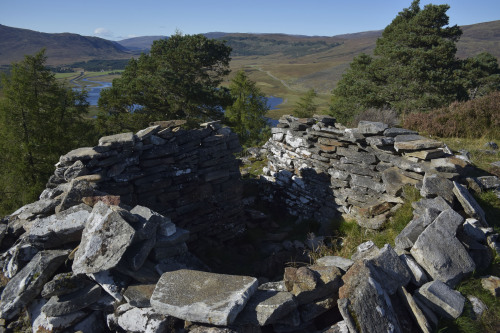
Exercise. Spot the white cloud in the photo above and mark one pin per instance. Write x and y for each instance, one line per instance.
(132, 36)
(103, 32)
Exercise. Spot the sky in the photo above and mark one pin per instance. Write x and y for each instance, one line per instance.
(121, 19)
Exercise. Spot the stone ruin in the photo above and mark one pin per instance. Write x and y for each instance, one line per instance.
(106, 246)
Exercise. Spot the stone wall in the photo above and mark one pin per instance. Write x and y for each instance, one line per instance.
(190, 176)
(318, 168)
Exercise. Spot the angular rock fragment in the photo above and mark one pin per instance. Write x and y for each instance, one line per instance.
(28, 283)
(343, 263)
(434, 186)
(415, 310)
(492, 284)
(440, 253)
(139, 320)
(442, 299)
(61, 228)
(470, 205)
(266, 307)
(68, 303)
(43, 323)
(104, 241)
(139, 295)
(64, 283)
(202, 297)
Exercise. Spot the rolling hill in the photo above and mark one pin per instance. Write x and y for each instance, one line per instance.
(63, 48)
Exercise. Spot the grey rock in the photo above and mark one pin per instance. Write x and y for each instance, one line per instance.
(94, 323)
(273, 286)
(104, 241)
(343, 263)
(473, 228)
(160, 253)
(387, 268)
(364, 250)
(110, 283)
(137, 254)
(77, 190)
(43, 323)
(266, 307)
(434, 186)
(83, 154)
(417, 314)
(41, 207)
(491, 145)
(373, 223)
(139, 295)
(489, 182)
(409, 235)
(202, 297)
(77, 169)
(3, 231)
(312, 310)
(395, 179)
(478, 307)
(61, 228)
(141, 320)
(440, 253)
(165, 225)
(365, 298)
(311, 283)
(68, 303)
(64, 283)
(418, 275)
(403, 143)
(395, 131)
(442, 299)
(180, 236)
(379, 141)
(437, 203)
(371, 127)
(339, 327)
(470, 205)
(367, 182)
(122, 140)
(28, 283)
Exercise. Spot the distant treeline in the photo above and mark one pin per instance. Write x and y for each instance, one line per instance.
(98, 65)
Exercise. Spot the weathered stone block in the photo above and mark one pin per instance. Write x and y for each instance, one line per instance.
(202, 297)
(442, 299)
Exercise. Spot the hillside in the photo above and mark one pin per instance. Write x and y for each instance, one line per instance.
(139, 43)
(61, 48)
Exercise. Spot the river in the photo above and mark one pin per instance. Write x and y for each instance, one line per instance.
(93, 94)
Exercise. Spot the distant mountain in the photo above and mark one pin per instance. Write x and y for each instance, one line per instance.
(139, 43)
(61, 48)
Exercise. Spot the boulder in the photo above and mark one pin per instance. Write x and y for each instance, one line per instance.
(77, 190)
(202, 297)
(312, 283)
(442, 299)
(371, 127)
(61, 228)
(94, 323)
(139, 295)
(28, 283)
(478, 307)
(418, 275)
(40, 322)
(415, 311)
(364, 303)
(395, 179)
(409, 235)
(122, 140)
(434, 186)
(440, 253)
(104, 241)
(310, 311)
(64, 283)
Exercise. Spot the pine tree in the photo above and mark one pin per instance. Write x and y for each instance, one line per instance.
(246, 115)
(305, 107)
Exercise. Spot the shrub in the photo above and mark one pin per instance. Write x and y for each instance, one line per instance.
(472, 119)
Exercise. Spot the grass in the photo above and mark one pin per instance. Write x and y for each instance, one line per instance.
(481, 157)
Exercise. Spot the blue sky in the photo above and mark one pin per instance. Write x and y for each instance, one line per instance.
(115, 20)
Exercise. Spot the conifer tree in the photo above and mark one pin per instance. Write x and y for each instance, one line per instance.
(305, 107)
(246, 115)
(40, 120)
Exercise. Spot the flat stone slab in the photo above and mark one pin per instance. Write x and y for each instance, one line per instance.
(104, 241)
(442, 299)
(202, 297)
(339, 262)
(470, 205)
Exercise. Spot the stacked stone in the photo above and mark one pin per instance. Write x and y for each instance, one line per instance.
(190, 176)
(321, 167)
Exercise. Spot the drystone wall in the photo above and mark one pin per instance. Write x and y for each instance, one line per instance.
(191, 176)
(319, 169)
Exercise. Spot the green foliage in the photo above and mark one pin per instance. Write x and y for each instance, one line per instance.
(178, 79)
(246, 115)
(39, 121)
(414, 69)
(305, 107)
(472, 119)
